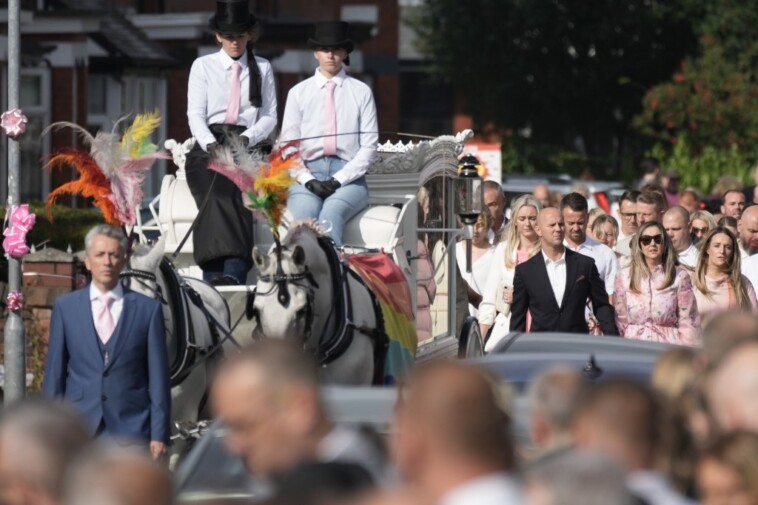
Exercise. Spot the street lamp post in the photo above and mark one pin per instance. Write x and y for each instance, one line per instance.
(469, 199)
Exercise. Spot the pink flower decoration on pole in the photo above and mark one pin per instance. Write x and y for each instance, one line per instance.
(20, 223)
(15, 301)
(13, 122)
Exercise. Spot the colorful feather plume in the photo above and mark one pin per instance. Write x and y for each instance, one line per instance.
(263, 180)
(113, 171)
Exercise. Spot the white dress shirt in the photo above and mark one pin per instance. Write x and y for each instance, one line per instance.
(689, 256)
(208, 92)
(356, 112)
(606, 262)
(493, 489)
(655, 489)
(117, 306)
(556, 272)
(750, 269)
(622, 244)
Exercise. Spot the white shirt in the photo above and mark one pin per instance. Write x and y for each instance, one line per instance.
(208, 92)
(117, 306)
(622, 244)
(348, 445)
(480, 271)
(492, 235)
(655, 489)
(605, 260)
(689, 256)
(556, 272)
(493, 489)
(356, 112)
(750, 269)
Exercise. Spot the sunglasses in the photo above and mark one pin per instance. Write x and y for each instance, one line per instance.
(699, 230)
(648, 239)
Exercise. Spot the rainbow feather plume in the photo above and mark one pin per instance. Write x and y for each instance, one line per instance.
(271, 187)
(122, 162)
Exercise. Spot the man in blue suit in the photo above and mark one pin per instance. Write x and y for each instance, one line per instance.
(107, 354)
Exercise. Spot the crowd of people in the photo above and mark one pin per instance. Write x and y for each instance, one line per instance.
(667, 261)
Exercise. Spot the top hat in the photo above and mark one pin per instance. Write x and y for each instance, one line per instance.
(332, 34)
(232, 16)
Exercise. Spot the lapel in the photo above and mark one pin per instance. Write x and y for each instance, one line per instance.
(84, 314)
(123, 328)
(571, 268)
(543, 279)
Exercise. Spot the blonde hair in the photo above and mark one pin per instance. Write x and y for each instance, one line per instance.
(733, 267)
(511, 236)
(638, 268)
(601, 220)
(674, 372)
(706, 216)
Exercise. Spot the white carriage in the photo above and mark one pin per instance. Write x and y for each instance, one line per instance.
(390, 223)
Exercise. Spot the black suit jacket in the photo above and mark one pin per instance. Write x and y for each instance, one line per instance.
(532, 292)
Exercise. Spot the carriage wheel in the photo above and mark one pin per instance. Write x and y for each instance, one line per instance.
(470, 343)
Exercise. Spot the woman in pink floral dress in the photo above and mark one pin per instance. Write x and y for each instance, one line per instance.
(653, 296)
(719, 285)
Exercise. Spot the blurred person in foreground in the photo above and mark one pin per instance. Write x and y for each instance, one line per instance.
(451, 458)
(334, 483)
(38, 441)
(727, 471)
(724, 331)
(494, 200)
(107, 355)
(733, 203)
(627, 215)
(267, 396)
(719, 285)
(109, 474)
(676, 221)
(576, 477)
(731, 389)
(520, 243)
(626, 421)
(573, 280)
(701, 222)
(575, 212)
(553, 398)
(653, 296)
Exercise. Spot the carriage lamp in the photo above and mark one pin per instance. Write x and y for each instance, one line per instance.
(469, 199)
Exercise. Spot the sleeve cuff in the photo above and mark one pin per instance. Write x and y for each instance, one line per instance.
(305, 177)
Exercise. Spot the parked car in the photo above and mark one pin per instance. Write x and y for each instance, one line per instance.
(210, 474)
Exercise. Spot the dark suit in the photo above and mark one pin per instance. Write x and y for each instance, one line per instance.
(532, 292)
(129, 397)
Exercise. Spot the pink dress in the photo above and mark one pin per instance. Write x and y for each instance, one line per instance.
(661, 315)
(721, 297)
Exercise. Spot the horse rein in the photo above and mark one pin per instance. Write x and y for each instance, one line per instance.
(144, 278)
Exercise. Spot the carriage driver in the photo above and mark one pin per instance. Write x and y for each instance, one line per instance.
(335, 116)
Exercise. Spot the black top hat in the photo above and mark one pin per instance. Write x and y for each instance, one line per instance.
(232, 16)
(332, 34)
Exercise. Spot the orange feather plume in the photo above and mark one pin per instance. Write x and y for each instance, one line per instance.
(91, 183)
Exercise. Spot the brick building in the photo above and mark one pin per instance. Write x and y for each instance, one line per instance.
(93, 61)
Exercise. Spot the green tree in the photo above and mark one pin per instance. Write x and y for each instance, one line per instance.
(565, 74)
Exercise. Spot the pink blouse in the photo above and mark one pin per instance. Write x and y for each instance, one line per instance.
(661, 315)
(721, 297)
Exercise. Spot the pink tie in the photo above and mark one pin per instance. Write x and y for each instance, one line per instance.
(330, 121)
(104, 321)
(233, 107)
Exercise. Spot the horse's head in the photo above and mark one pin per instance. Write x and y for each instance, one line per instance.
(283, 306)
(140, 274)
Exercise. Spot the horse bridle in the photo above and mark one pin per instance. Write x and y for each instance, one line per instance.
(144, 278)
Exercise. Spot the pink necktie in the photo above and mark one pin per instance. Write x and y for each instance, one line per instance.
(330, 121)
(104, 321)
(233, 107)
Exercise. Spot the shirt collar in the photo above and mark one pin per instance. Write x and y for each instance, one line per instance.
(116, 293)
(226, 60)
(548, 261)
(338, 79)
(588, 243)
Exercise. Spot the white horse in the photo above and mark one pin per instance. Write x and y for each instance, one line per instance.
(197, 320)
(305, 295)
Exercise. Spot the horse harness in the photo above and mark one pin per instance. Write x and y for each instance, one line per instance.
(332, 344)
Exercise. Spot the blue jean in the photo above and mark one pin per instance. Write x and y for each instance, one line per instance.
(231, 266)
(345, 203)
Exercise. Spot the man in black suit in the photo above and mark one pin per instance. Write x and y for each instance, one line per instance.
(558, 274)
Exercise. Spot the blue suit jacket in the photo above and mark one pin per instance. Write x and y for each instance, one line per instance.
(131, 394)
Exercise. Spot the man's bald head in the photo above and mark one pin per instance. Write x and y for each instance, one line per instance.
(732, 389)
(115, 475)
(622, 419)
(748, 229)
(453, 411)
(542, 193)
